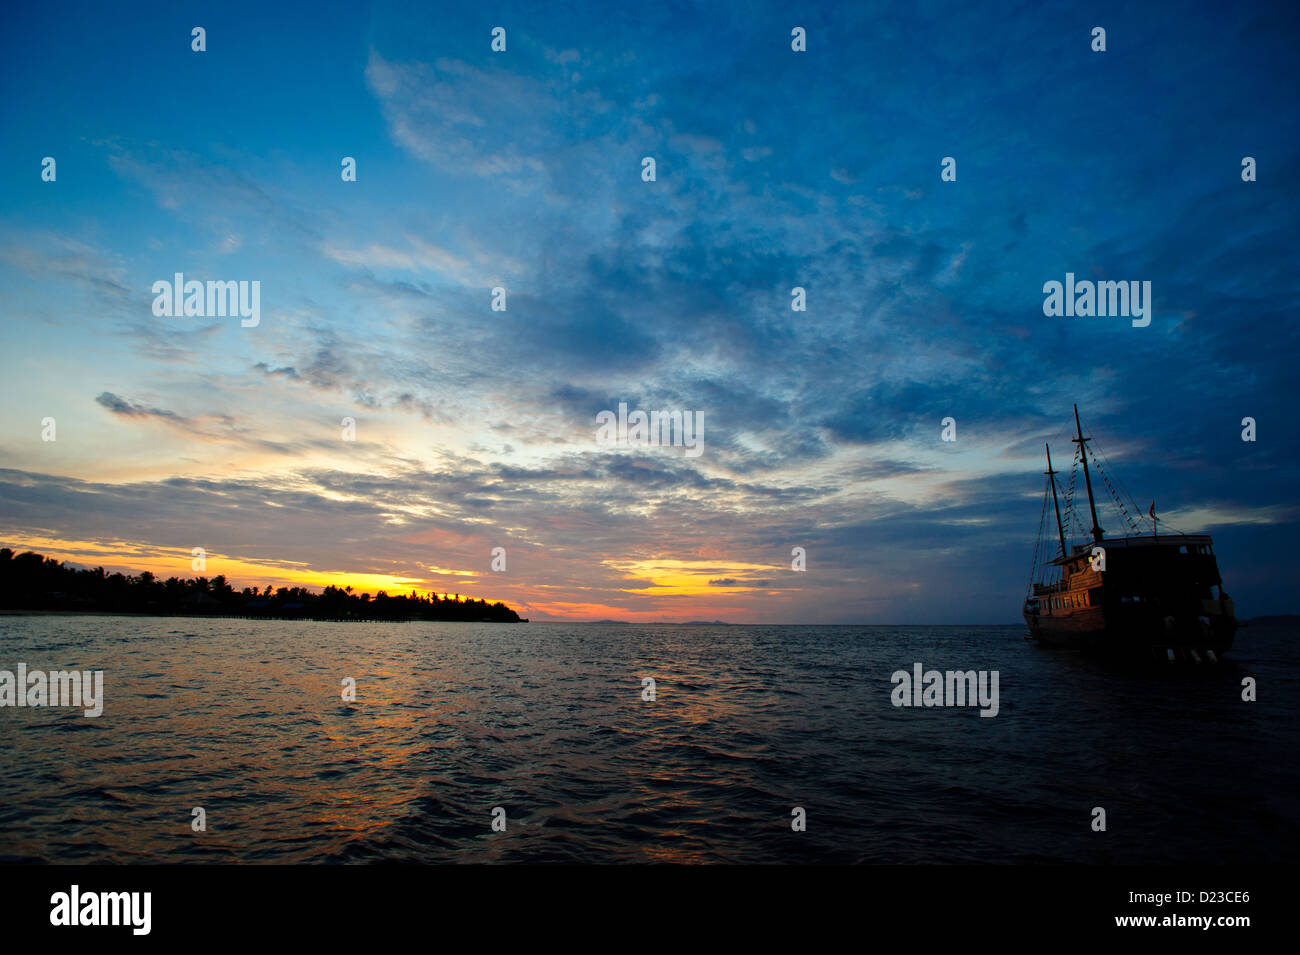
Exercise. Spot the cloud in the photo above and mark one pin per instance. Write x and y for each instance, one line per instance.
(286, 371)
(775, 171)
(127, 409)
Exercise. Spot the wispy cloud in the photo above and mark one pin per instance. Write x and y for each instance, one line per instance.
(475, 428)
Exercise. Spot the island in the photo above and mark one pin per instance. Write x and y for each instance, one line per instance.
(33, 582)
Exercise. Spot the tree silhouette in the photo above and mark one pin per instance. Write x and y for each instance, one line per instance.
(29, 581)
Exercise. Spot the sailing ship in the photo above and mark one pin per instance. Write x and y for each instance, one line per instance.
(1140, 595)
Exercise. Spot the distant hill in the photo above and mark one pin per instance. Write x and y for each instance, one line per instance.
(1276, 620)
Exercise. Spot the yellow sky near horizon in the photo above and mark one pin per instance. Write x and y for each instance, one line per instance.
(130, 557)
(666, 578)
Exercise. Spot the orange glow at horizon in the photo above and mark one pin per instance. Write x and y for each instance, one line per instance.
(134, 557)
(670, 577)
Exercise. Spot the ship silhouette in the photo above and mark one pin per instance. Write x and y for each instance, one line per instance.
(1139, 596)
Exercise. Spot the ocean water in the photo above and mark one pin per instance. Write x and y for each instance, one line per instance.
(547, 721)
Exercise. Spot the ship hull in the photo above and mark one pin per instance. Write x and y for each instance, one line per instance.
(1093, 633)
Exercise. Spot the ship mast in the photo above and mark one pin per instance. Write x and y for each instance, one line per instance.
(1082, 442)
(1060, 531)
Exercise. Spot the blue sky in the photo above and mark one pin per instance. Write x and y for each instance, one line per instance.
(775, 169)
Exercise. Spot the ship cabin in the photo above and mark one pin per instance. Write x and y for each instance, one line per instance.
(1171, 581)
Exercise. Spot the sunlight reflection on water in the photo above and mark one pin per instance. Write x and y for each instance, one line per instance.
(245, 719)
